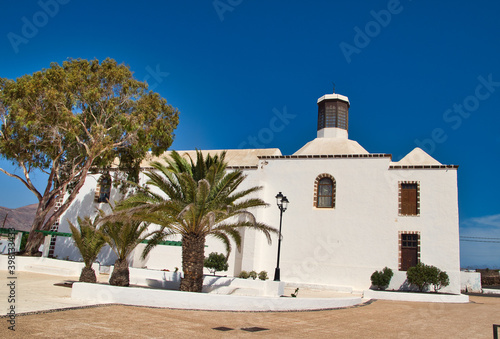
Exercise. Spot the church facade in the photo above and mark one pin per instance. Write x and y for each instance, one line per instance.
(351, 212)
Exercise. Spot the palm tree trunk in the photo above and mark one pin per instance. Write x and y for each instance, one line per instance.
(88, 275)
(120, 275)
(193, 254)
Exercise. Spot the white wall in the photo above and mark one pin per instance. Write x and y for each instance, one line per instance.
(336, 247)
(471, 282)
(344, 246)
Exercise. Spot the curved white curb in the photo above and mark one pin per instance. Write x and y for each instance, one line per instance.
(100, 294)
(422, 297)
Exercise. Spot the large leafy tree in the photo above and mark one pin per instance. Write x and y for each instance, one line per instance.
(195, 200)
(66, 120)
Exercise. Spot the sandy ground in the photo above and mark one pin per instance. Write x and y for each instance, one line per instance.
(379, 319)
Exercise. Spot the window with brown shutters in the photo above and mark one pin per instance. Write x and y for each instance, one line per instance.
(409, 198)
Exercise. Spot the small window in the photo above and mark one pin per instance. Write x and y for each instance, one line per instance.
(324, 194)
(410, 252)
(103, 189)
(409, 198)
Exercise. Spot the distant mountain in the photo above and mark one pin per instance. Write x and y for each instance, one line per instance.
(19, 218)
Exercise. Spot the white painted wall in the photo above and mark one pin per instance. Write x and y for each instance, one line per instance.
(471, 282)
(344, 246)
(46, 266)
(98, 293)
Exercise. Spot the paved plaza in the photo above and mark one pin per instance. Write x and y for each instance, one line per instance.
(36, 297)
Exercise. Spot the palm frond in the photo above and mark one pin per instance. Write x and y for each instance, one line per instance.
(88, 238)
(194, 198)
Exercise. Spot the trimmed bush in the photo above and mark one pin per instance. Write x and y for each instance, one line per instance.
(382, 279)
(252, 275)
(423, 275)
(216, 262)
(263, 275)
(243, 275)
(442, 281)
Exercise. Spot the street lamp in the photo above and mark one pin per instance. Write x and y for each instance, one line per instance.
(282, 203)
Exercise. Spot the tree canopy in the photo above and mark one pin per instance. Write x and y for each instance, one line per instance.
(66, 120)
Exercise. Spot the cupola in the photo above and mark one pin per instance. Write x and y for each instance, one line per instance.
(333, 116)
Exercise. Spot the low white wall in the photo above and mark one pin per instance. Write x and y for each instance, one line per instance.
(341, 289)
(211, 284)
(46, 266)
(422, 297)
(490, 291)
(470, 282)
(154, 278)
(101, 294)
(251, 287)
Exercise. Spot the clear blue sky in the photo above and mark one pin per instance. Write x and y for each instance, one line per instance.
(414, 71)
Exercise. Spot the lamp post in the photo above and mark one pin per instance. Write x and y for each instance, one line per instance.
(282, 203)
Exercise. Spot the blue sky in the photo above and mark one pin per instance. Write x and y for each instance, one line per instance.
(417, 73)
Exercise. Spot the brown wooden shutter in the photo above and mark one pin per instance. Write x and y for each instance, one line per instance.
(409, 199)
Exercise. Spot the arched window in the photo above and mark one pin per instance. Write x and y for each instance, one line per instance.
(324, 191)
(103, 189)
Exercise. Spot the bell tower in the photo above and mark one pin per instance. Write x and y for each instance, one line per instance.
(333, 116)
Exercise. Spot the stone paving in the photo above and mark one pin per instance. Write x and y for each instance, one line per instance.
(378, 319)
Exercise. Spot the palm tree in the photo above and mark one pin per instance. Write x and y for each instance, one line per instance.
(123, 237)
(89, 241)
(196, 200)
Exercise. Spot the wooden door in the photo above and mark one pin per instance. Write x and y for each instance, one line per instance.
(409, 251)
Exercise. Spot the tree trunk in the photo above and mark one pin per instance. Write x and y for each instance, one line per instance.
(193, 255)
(120, 275)
(47, 203)
(88, 275)
(35, 239)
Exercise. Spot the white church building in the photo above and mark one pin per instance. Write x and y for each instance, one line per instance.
(351, 212)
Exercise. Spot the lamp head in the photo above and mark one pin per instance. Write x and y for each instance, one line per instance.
(279, 197)
(284, 203)
(281, 201)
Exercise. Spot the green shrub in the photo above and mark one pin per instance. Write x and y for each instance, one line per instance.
(216, 262)
(243, 275)
(252, 275)
(423, 275)
(382, 279)
(419, 275)
(263, 275)
(442, 281)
